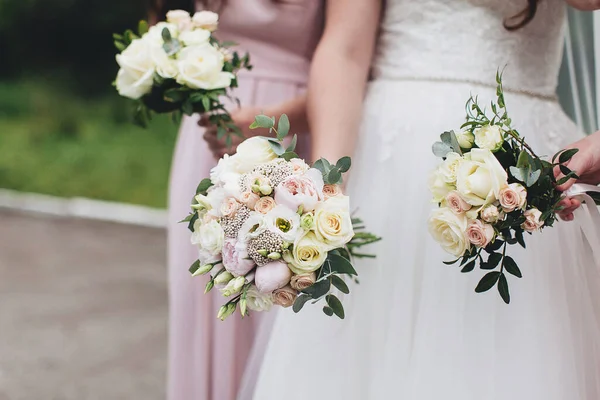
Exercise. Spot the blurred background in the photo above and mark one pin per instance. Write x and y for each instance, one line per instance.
(83, 303)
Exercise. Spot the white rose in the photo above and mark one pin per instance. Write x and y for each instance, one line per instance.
(136, 76)
(465, 139)
(480, 177)
(195, 37)
(333, 224)
(449, 166)
(449, 230)
(201, 67)
(283, 222)
(438, 187)
(490, 214)
(208, 237)
(155, 33)
(165, 66)
(252, 152)
(206, 20)
(489, 137)
(215, 196)
(532, 220)
(307, 255)
(258, 301)
(223, 167)
(181, 18)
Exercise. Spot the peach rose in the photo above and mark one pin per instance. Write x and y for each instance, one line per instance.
(285, 297)
(301, 190)
(301, 282)
(512, 197)
(299, 166)
(249, 199)
(480, 234)
(331, 191)
(532, 220)
(264, 205)
(456, 203)
(229, 207)
(490, 214)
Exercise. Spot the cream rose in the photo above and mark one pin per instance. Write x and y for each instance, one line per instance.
(513, 197)
(331, 191)
(333, 224)
(480, 234)
(456, 203)
(301, 190)
(155, 33)
(264, 205)
(307, 255)
(438, 187)
(285, 297)
(489, 137)
(201, 67)
(136, 75)
(449, 230)
(181, 18)
(465, 139)
(224, 168)
(208, 237)
(252, 152)
(249, 199)
(258, 301)
(229, 207)
(272, 276)
(206, 20)
(490, 214)
(480, 177)
(195, 38)
(301, 282)
(299, 166)
(532, 220)
(447, 170)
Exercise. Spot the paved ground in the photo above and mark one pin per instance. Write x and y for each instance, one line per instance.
(83, 308)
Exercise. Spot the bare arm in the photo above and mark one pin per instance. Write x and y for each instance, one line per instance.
(585, 5)
(339, 74)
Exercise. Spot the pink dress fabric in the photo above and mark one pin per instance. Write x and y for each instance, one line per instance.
(207, 357)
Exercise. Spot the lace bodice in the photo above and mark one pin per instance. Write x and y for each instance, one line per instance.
(465, 40)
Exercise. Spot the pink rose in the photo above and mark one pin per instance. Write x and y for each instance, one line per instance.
(264, 205)
(331, 191)
(456, 203)
(480, 234)
(490, 214)
(272, 276)
(301, 282)
(229, 207)
(512, 197)
(301, 190)
(249, 199)
(285, 297)
(235, 257)
(532, 220)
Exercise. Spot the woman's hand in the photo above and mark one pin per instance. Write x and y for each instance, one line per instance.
(242, 117)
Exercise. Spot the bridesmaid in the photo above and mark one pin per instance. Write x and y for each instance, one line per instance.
(207, 357)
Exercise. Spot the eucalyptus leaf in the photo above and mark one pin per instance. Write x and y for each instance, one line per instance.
(519, 174)
(487, 282)
(340, 265)
(441, 149)
(262, 121)
(336, 305)
(292, 146)
(503, 289)
(340, 284)
(300, 302)
(319, 289)
(344, 164)
(288, 155)
(524, 159)
(334, 176)
(283, 126)
(328, 311)
(322, 165)
(532, 177)
(277, 148)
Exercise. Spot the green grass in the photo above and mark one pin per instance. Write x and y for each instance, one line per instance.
(60, 144)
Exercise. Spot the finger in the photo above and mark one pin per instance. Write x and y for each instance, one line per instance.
(204, 121)
(574, 165)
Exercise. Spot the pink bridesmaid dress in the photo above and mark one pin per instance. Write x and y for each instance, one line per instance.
(207, 357)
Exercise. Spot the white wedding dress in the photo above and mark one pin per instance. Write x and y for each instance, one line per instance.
(414, 328)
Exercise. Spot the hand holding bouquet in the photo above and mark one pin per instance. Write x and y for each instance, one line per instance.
(272, 230)
(178, 67)
(491, 189)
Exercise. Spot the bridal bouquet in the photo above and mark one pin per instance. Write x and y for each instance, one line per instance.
(270, 229)
(491, 188)
(178, 66)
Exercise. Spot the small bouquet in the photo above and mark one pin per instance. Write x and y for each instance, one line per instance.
(178, 67)
(272, 230)
(492, 188)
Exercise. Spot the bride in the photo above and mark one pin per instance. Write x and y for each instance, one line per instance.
(414, 328)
